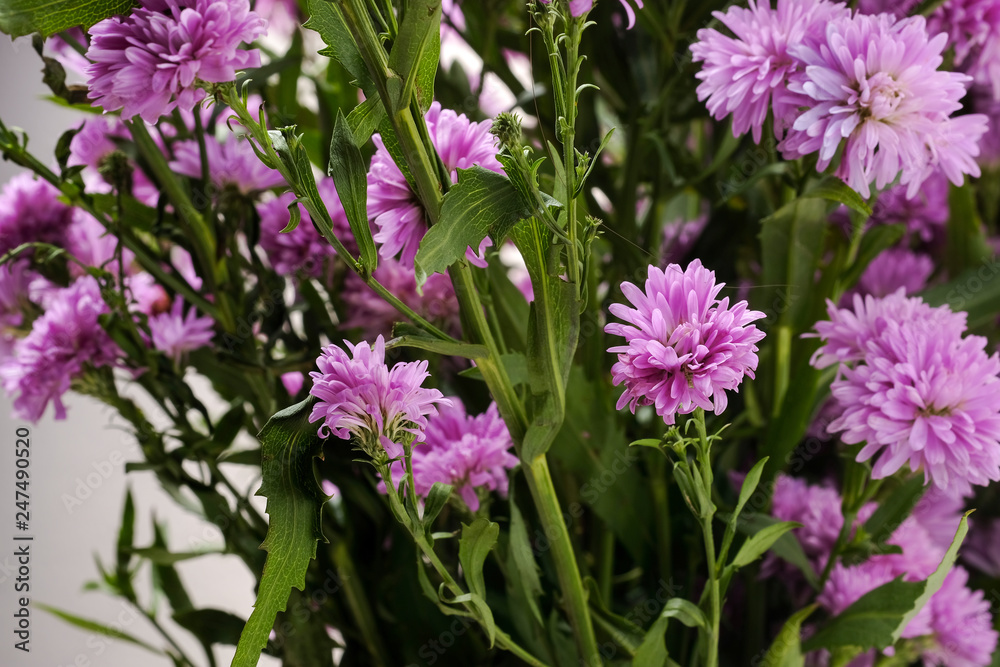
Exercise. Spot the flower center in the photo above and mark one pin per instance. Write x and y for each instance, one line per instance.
(877, 96)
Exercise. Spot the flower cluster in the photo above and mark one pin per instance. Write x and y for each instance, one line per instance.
(914, 390)
(30, 212)
(580, 7)
(467, 452)
(685, 348)
(149, 62)
(63, 343)
(393, 206)
(359, 395)
(231, 164)
(865, 87)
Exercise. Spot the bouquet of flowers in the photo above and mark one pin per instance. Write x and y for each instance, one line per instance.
(570, 332)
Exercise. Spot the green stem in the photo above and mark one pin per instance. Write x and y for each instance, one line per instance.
(704, 459)
(357, 600)
(570, 582)
(661, 509)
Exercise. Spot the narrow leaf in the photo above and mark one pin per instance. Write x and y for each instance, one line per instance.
(833, 189)
(786, 649)
(350, 176)
(94, 626)
(761, 541)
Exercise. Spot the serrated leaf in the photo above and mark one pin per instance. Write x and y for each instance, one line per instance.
(786, 649)
(758, 543)
(481, 200)
(23, 17)
(350, 176)
(415, 51)
(833, 189)
(474, 546)
(94, 626)
(294, 506)
(325, 18)
(365, 118)
(878, 618)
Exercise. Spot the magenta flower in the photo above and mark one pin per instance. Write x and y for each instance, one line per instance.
(684, 348)
(374, 316)
(65, 341)
(394, 208)
(847, 584)
(679, 236)
(849, 330)
(874, 81)
(961, 625)
(231, 164)
(30, 211)
(973, 29)
(303, 249)
(747, 75)
(97, 138)
(581, 7)
(467, 452)
(360, 396)
(924, 215)
(88, 241)
(149, 62)
(15, 290)
(175, 333)
(817, 508)
(919, 394)
(894, 269)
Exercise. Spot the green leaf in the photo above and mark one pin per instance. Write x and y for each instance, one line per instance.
(786, 649)
(878, 618)
(653, 652)
(966, 241)
(23, 17)
(350, 176)
(94, 626)
(787, 547)
(874, 241)
(326, 19)
(211, 626)
(521, 562)
(413, 60)
(160, 555)
(976, 291)
(474, 546)
(750, 483)
(229, 426)
(833, 189)
(437, 498)
(407, 335)
(165, 577)
(654, 443)
(758, 544)
(893, 509)
(294, 506)
(126, 532)
(481, 201)
(365, 118)
(792, 241)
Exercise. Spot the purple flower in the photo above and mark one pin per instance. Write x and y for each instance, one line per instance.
(924, 215)
(63, 343)
(59, 48)
(817, 508)
(293, 382)
(989, 144)
(973, 28)
(231, 164)
(374, 316)
(360, 396)
(88, 241)
(394, 208)
(848, 331)
(847, 584)
(747, 75)
(961, 625)
(30, 211)
(175, 333)
(148, 63)
(467, 452)
(684, 347)
(920, 394)
(679, 236)
(15, 289)
(303, 249)
(874, 81)
(895, 269)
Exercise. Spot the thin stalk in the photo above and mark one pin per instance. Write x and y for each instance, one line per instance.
(661, 510)
(357, 600)
(568, 138)
(199, 132)
(166, 635)
(715, 612)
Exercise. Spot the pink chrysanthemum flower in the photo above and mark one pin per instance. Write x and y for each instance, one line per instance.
(924, 215)
(684, 348)
(895, 269)
(148, 63)
(747, 75)
(231, 164)
(63, 342)
(817, 508)
(961, 625)
(394, 207)
(374, 316)
(973, 29)
(175, 333)
(467, 452)
(848, 331)
(920, 394)
(303, 249)
(360, 396)
(874, 81)
(847, 584)
(145, 295)
(30, 211)
(88, 241)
